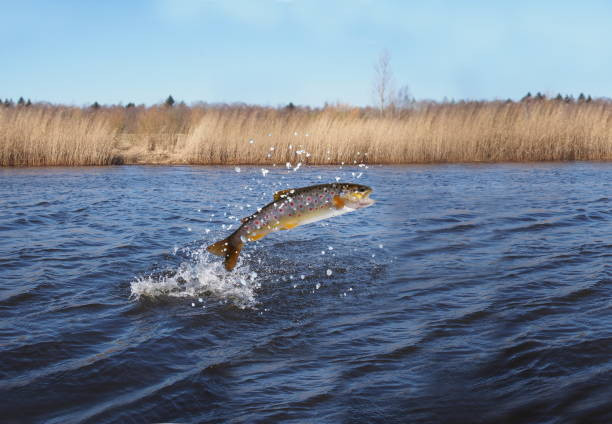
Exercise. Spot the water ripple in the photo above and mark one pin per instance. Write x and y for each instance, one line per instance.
(466, 286)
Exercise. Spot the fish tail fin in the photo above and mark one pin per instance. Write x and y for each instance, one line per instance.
(232, 257)
(228, 249)
(219, 248)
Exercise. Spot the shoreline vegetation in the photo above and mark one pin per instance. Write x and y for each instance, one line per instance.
(533, 129)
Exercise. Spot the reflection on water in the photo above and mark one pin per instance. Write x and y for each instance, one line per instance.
(468, 293)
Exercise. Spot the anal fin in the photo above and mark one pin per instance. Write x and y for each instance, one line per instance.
(289, 226)
(256, 237)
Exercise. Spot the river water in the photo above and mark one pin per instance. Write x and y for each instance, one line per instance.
(467, 293)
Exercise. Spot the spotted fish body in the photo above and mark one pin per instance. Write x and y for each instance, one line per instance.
(292, 208)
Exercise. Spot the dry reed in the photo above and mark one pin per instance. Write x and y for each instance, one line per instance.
(545, 130)
(61, 136)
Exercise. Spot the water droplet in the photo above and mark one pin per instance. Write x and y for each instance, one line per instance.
(251, 141)
(264, 171)
(329, 272)
(237, 169)
(192, 304)
(318, 286)
(330, 247)
(302, 276)
(337, 179)
(200, 300)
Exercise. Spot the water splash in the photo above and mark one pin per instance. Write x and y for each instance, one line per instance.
(201, 276)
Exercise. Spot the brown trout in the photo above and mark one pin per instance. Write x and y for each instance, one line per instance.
(292, 208)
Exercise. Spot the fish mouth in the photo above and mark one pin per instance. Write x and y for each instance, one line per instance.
(364, 203)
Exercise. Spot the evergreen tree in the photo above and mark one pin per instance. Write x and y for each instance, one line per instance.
(95, 105)
(581, 98)
(129, 105)
(589, 99)
(527, 97)
(540, 96)
(8, 103)
(169, 101)
(28, 103)
(290, 106)
(21, 101)
(559, 97)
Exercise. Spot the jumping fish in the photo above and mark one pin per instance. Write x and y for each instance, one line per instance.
(292, 208)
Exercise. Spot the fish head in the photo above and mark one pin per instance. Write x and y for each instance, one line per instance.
(356, 196)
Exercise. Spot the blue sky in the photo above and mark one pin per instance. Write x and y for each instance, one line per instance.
(305, 51)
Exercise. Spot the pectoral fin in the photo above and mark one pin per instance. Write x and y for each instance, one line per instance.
(338, 202)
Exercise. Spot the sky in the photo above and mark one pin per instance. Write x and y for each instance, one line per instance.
(308, 52)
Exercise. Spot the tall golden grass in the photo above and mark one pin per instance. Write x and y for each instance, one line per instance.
(61, 136)
(535, 130)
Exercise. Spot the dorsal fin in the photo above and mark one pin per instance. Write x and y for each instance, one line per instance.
(283, 193)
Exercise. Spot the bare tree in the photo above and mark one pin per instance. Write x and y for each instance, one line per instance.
(384, 83)
(404, 99)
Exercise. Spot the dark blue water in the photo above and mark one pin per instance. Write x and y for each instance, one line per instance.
(466, 294)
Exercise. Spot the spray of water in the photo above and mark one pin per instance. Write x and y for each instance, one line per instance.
(201, 275)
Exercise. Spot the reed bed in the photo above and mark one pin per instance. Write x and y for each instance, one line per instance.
(543, 130)
(62, 136)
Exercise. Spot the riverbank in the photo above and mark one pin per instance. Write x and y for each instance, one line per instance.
(424, 132)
